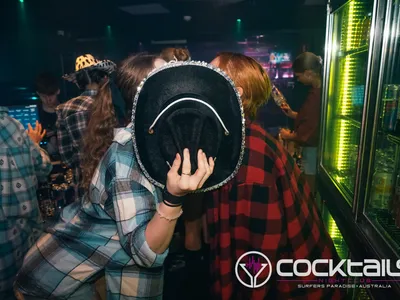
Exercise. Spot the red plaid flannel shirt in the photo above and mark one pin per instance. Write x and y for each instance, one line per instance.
(266, 208)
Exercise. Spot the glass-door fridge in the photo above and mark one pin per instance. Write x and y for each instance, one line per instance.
(382, 205)
(359, 153)
(345, 92)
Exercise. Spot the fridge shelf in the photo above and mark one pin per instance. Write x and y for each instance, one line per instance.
(345, 182)
(393, 138)
(351, 120)
(385, 220)
(354, 51)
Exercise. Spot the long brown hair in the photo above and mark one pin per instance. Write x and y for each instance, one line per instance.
(99, 132)
(100, 129)
(307, 61)
(180, 54)
(130, 73)
(248, 74)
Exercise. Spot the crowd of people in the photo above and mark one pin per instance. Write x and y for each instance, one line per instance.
(150, 140)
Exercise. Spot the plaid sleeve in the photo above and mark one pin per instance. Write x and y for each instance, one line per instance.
(76, 126)
(41, 162)
(134, 207)
(64, 141)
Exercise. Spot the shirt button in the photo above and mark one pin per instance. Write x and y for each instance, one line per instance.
(18, 185)
(1, 162)
(24, 207)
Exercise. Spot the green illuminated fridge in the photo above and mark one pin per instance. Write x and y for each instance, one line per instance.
(359, 153)
(349, 53)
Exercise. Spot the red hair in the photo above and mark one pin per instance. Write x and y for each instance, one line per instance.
(248, 74)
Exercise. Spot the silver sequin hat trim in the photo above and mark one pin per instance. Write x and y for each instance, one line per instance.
(198, 64)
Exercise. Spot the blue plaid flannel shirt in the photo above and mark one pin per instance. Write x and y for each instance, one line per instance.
(105, 235)
(72, 119)
(22, 164)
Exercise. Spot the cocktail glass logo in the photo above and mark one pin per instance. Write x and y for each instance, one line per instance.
(254, 264)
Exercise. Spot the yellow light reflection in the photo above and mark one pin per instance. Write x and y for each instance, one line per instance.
(348, 70)
(344, 139)
(350, 26)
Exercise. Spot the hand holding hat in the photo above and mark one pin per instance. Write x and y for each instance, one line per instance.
(180, 185)
(180, 108)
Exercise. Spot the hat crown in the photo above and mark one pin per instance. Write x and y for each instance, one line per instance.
(189, 105)
(85, 61)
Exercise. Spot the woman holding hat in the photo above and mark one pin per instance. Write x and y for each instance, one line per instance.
(135, 181)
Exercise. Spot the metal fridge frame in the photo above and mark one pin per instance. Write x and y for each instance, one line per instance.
(361, 236)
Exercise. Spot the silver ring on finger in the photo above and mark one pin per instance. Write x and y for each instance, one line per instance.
(187, 174)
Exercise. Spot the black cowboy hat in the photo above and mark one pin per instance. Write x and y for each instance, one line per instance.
(188, 105)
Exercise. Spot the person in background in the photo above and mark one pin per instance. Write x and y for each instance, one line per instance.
(267, 207)
(47, 87)
(307, 68)
(22, 165)
(123, 224)
(177, 54)
(73, 116)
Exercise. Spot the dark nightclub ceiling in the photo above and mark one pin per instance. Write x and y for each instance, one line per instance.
(170, 19)
(48, 34)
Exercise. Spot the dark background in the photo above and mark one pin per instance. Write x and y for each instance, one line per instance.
(42, 35)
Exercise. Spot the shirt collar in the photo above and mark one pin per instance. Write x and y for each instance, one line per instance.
(3, 109)
(89, 93)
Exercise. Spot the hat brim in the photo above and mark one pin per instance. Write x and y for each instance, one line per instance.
(184, 79)
(105, 65)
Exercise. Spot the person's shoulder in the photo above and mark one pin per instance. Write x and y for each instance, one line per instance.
(12, 130)
(314, 94)
(9, 123)
(120, 157)
(123, 135)
(261, 141)
(264, 157)
(75, 105)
